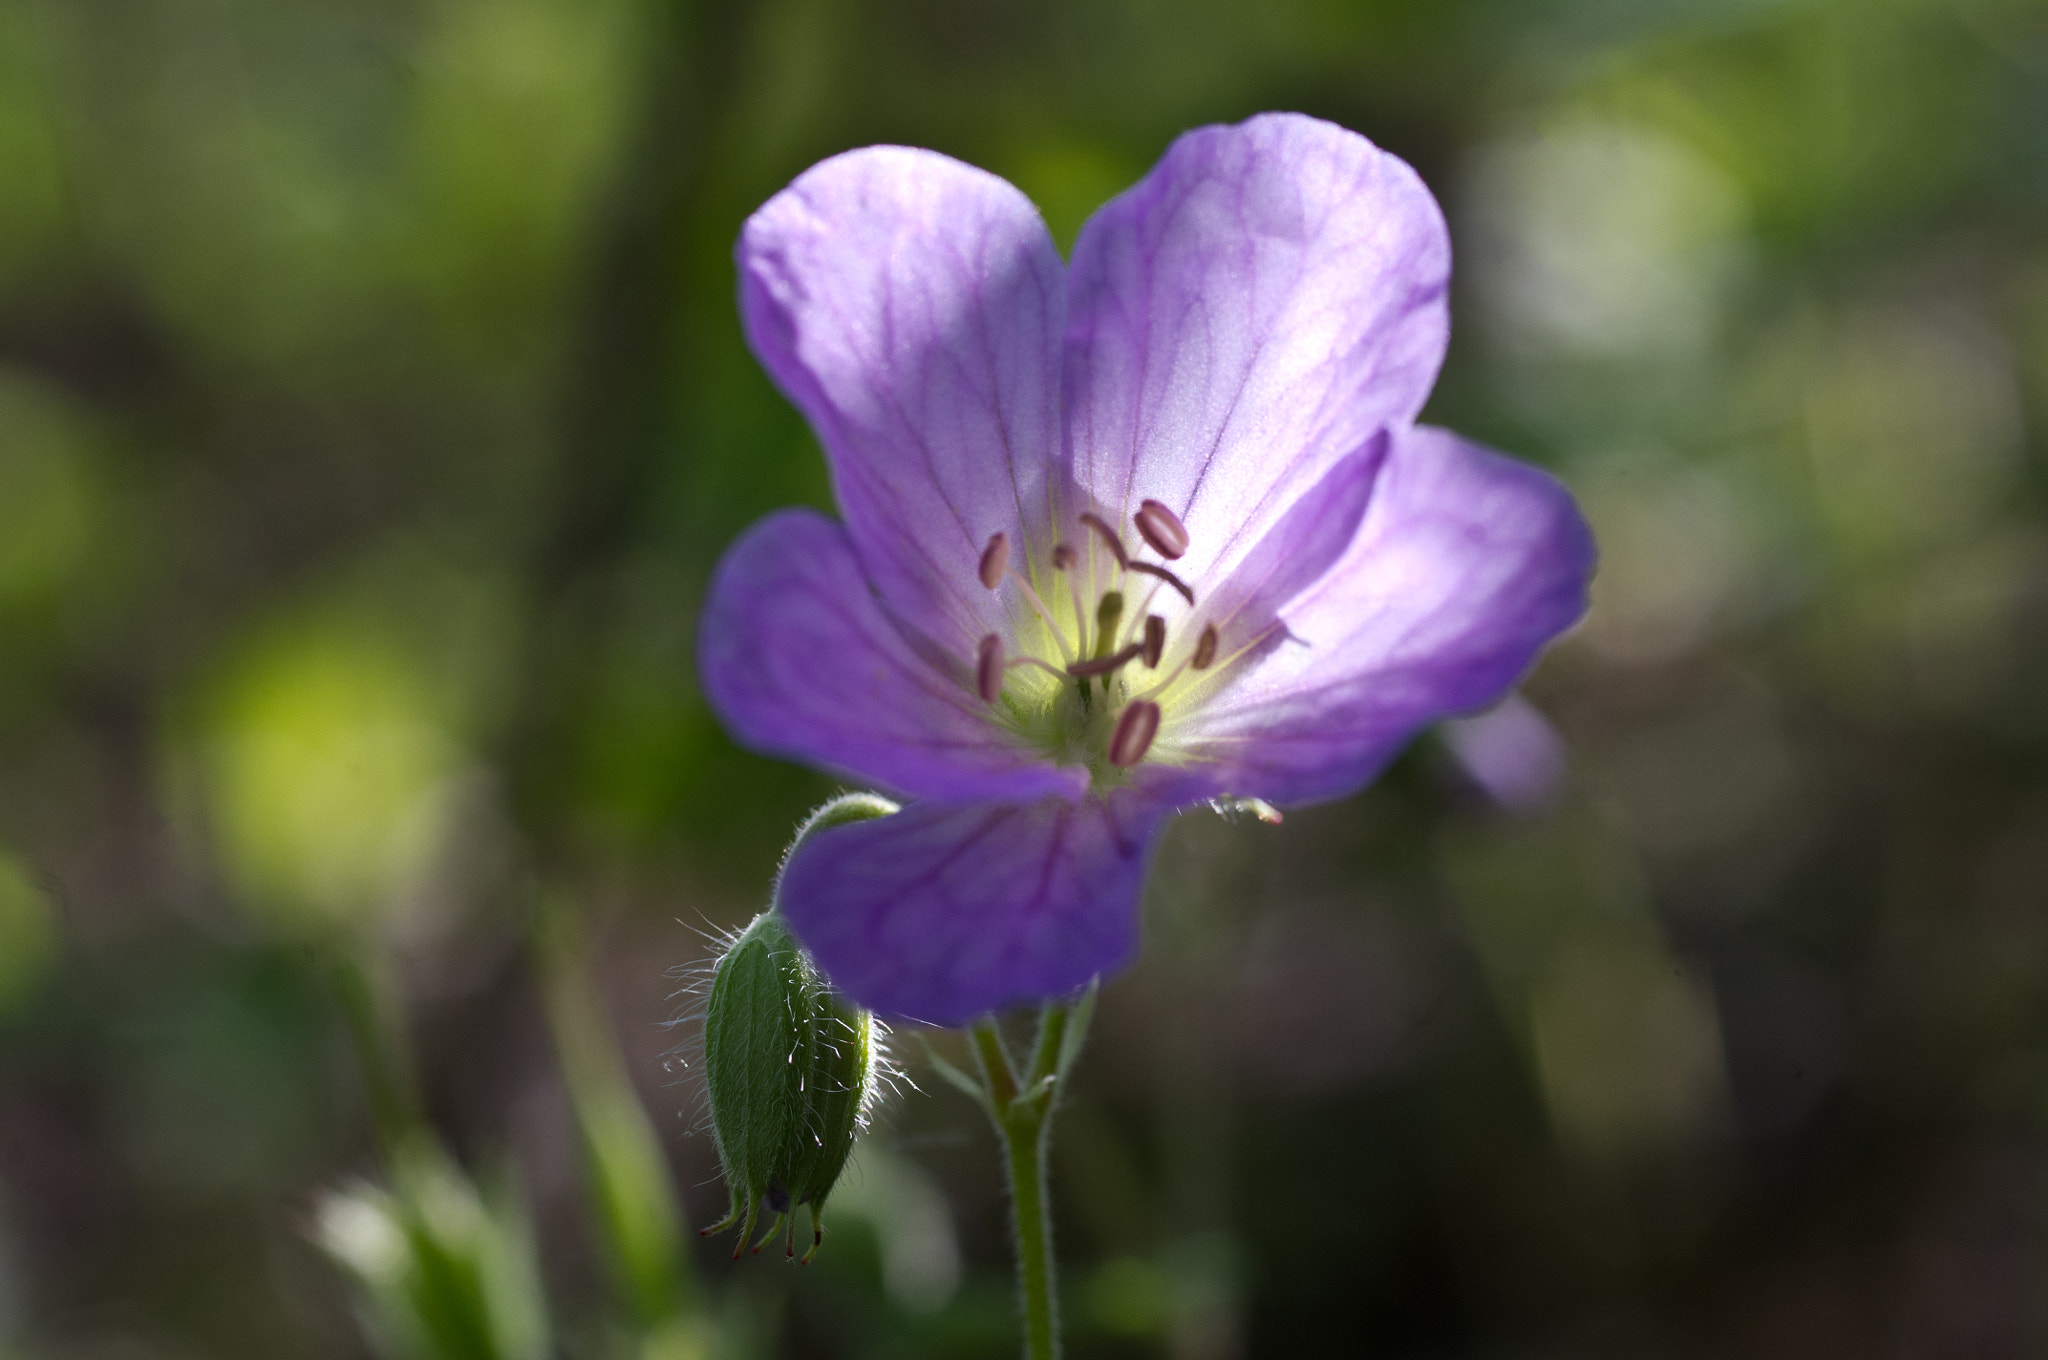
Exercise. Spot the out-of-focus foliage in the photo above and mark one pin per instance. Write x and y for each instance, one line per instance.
(373, 408)
(442, 1274)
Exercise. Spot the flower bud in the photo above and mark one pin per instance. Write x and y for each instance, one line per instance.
(790, 1066)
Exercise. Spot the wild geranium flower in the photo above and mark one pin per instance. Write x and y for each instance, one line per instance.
(1118, 537)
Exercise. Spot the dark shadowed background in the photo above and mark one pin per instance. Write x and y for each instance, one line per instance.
(373, 407)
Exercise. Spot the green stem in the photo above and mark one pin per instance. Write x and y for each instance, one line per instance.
(630, 1188)
(1022, 1113)
(381, 1051)
(1027, 1140)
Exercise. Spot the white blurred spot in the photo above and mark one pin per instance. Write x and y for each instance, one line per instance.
(1604, 239)
(356, 1227)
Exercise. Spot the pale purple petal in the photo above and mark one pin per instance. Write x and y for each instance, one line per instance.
(943, 912)
(911, 306)
(1466, 565)
(1296, 553)
(1258, 306)
(798, 658)
(1512, 753)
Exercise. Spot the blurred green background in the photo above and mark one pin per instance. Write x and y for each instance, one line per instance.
(373, 408)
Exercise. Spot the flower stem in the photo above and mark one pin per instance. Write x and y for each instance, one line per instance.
(1026, 1143)
(1022, 1110)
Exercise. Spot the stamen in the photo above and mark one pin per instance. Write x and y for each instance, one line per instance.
(1144, 610)
(1108, 536)
(1044, 612)
(995, 560)
(1134, 733)
(1161, 528)
(1187, 592)
(1045, 666)
(1205, 649)
(1155, 641)
(988, 669)
(1103, 665)
(1160, 687)
(1063, 560)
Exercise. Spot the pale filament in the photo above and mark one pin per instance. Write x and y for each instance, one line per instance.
(1144, 608)
(1044, 612)
(1074, 590)
(1054, 671)
(1154, 691)
(1186, 661)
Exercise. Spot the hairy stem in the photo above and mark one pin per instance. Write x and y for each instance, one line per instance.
(1022, 1111)
(1027, 1141)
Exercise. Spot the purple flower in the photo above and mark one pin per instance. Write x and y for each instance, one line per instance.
(1119, 536)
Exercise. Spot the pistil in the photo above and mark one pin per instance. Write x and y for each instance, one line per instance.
(1109, 612)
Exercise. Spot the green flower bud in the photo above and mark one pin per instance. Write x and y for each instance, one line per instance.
(790, 1066)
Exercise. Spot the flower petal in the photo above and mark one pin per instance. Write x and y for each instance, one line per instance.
(911, 306)
(800, 660)
(1467, 563)
(1257, 307)
(943, 912)
(1248, 607)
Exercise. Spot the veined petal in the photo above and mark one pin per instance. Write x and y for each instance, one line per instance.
(800, 660)
(1467, 563)
(911, 306)
(1247, 608)
(1257, 307)
(943, 912)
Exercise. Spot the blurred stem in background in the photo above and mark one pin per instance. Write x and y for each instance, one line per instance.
(443, 1270)
(377, 1031)
(618, 418)
(446, 1272)
(616, 422)
(632, 1194)
(1021, 1107)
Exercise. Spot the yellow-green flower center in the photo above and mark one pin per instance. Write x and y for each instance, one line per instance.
(1088, 684)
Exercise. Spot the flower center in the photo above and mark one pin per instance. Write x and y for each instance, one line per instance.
(1103, 705)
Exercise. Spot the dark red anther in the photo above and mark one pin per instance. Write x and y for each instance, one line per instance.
(995, 560)
(1063, 557)
(1161, 528)
(1205, 649)
(1155, 641)
(1134, 733)
(1187, 592)
(988, 669)
(1107, 535)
